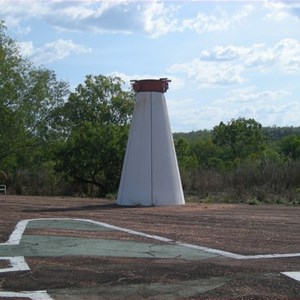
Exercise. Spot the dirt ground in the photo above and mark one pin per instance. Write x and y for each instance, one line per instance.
(240, 229)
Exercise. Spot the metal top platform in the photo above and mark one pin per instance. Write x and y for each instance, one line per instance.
(150, 85)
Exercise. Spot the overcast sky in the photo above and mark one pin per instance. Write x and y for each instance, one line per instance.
(226, 59)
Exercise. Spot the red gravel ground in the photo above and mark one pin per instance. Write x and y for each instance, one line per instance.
(241, 229)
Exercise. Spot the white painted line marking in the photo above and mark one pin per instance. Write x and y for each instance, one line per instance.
(286, 255)
(35, 295)
(211, 250)
(207, 249)
(150, 236)
(16, 236)
(294, 275)
(17, 263)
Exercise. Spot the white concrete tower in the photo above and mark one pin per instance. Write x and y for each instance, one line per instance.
(150, 175)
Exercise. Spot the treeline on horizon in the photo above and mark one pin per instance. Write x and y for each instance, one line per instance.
(273, 133)
(240, 161)
(54, 141)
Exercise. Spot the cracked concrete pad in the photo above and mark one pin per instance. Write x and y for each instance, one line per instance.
(65, 224)
(32, 245)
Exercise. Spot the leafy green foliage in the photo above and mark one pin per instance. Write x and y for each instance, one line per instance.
(290, 146)
(43, 95)
(239, 138)
(241, 162)
(208, 154)
(11, 70)
(93, 154)
(186, 159)
(28, 98)
(96, 118)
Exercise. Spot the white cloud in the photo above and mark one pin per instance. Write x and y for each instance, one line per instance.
(210, 73)
(101, 16)
(283, 56)
(277, 10)
(15, 11)
(269, 115)
(220, 53)
(258, 55)
(51, 52)
(226, 65)
(159, 19)
(282, 10)
(268, 107)
(93, 16)
(288, 55)
(154, 18)
(250, 95)
(218, 21)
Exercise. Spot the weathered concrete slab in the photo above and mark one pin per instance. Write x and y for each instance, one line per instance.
(35, 245)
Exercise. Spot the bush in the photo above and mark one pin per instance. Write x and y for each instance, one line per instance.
(253, 183)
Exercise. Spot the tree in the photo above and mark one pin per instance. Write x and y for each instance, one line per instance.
(290, 146)
(42, 96)
(186, 160)
(29, 96)
(11, 69)
(96, 121)
(207, 153)
(239, 138)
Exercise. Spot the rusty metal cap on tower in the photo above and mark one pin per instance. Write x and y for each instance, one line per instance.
(150, 85)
